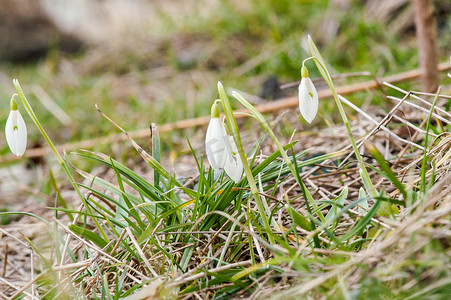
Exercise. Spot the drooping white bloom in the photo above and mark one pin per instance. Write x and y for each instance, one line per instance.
(233, 165)
(16, 131)
(308, 97)
(221, 149)
(215, 144)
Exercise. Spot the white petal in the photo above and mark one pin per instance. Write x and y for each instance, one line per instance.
(215, 145)
(308, 99)
(16, 133)
(234, 169)
(233, 165)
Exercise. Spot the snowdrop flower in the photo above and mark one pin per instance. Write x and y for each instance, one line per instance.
(215, 144)
(233, 165)
(308, 97)
(15, 131)
(221, 149)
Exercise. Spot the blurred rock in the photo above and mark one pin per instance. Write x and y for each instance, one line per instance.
(27, 31)
(29, 28)
(271, 89)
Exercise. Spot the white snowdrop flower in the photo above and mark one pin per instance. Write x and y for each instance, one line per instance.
(16, 131)
(221, 149)
(233, 165)
(308, 97)
(215, 144)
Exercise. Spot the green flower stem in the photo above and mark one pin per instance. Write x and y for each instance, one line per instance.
(247, 170)
(325, 73)
(370, 188)
(258, 116)
(31, 113)
(307, 59)
(369, 185)
(61, 161)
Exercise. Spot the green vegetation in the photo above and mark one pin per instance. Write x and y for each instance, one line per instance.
(352, 222)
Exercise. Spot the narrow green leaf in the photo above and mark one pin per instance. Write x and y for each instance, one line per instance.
(387, 171)
(89, 235)
(364, 201)
(61, 200)
(298, 219)
(261, 166)
(363, 222)
(335, 210)
(319, 61)
(155, 151)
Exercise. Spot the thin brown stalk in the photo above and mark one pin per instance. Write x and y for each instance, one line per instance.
(426, 29)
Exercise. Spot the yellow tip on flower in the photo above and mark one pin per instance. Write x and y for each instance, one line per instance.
(304, 72)
(215, 110)
(13, 104)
